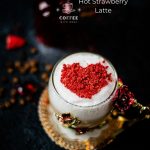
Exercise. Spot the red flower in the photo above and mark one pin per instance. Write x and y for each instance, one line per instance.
(124, 99)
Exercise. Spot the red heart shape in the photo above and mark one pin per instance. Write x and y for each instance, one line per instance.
(85, 82)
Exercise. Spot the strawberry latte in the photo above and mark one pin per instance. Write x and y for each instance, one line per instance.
(83, 85)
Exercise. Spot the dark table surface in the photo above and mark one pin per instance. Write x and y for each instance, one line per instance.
(125, 41)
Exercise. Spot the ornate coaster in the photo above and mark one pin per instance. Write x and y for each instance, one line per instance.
(107, 135)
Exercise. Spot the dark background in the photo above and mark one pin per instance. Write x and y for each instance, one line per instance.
(124, 40)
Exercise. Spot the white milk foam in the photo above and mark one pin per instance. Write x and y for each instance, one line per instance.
(84, 59)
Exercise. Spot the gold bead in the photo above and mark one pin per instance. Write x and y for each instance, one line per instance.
(12, 101)
(48, 67)
(33, 70)
(32, 62)
(26, 66)
(7, 104)
(17, 64)
(33, 50)
(13, 92)
(22, 70)
(10, 70)
(15, 80)
(45, 76)
(21, 102)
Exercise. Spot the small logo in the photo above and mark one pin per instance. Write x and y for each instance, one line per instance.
(68, 8)
(66, 12)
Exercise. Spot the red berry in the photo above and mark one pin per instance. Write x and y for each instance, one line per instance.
(14, 41)
(31, 88)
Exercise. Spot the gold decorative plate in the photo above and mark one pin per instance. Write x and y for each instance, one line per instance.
(107, 135)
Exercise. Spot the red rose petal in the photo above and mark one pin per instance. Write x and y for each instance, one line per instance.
(31, 88)
(14, 41)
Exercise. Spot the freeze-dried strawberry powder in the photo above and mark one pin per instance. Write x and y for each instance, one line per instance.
(85, 82)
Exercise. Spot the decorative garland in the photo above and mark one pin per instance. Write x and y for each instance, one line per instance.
(68, 121)
(126, 104)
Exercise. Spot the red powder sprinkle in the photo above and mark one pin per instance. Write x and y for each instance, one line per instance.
(85, 82)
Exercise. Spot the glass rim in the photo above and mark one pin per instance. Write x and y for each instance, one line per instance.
(115, 87)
